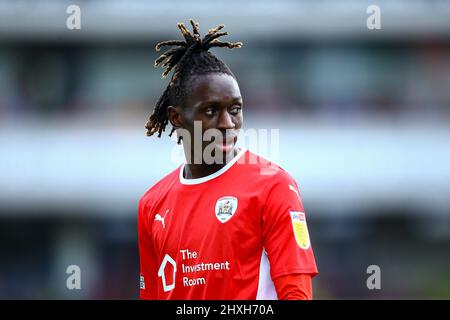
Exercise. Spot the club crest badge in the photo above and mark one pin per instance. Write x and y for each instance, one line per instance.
(225, 208)
(300, 229)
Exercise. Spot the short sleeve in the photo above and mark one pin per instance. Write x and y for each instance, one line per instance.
(285, 233)
(148, 268)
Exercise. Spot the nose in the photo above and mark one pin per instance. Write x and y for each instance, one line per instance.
(225, 121)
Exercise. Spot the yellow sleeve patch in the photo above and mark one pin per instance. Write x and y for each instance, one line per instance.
(300, 229)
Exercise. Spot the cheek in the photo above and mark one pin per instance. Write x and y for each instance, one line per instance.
(188, 120)
(239, 120)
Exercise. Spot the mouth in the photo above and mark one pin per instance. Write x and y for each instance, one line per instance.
(226, 145)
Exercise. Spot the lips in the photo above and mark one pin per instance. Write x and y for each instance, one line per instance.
(227, 143)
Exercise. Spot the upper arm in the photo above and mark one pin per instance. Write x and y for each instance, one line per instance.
(285, 233)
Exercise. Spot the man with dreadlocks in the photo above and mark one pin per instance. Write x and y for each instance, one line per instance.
(228, 229)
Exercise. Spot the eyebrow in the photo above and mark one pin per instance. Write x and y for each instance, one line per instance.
(218, 101)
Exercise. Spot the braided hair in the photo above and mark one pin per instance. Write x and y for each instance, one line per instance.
(189, 58)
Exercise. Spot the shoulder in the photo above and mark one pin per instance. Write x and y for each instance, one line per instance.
(274, 183)
(266, 171)
(160, 188)
(278, 190)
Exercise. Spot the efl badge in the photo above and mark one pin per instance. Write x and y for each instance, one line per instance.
(225, 208)
(300, 229)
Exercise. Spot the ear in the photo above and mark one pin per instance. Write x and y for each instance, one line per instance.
(175, 116)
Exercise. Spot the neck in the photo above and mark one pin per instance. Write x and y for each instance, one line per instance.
(200, 170)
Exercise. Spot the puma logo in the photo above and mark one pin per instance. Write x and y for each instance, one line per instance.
(295, 190)
(161, 219)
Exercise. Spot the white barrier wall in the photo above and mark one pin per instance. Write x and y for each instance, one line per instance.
(339, 167)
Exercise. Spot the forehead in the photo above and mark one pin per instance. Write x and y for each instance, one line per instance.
(213, 87)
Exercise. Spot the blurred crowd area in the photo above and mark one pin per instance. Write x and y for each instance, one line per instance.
(394, 79)
(362, 116)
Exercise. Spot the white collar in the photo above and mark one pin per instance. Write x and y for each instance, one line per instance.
(183, 180)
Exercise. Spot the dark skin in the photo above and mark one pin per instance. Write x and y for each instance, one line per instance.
(216, 101)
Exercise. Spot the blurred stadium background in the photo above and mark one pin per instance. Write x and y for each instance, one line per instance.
(363, 118)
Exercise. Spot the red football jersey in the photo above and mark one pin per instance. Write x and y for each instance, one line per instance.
(224, 236)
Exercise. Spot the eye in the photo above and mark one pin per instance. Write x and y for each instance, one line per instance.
(235, 109)
(210, 111)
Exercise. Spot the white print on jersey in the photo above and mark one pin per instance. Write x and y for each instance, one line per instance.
(295, 190)
(225, 208)
(162, 273)
(161, 219)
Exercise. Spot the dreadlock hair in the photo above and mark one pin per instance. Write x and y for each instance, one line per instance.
(189, 58)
